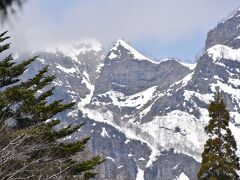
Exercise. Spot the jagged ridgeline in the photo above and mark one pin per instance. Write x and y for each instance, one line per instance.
(146, 117)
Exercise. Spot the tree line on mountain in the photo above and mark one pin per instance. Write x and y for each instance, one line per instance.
(29, 147)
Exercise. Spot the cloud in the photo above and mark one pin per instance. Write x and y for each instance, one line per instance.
(44, 22)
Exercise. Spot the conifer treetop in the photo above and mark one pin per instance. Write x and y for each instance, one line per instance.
(219, 159)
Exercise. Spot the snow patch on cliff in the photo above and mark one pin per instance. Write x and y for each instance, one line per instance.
(140, 174)
(182, 176)
(137, 100)
(66, 70)
(219, 52)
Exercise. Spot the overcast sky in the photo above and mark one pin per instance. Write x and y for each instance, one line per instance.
(158, 28)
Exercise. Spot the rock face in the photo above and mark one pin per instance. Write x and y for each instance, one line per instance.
(128, 72)
(147, 118)
(171, 165)
(226, 32)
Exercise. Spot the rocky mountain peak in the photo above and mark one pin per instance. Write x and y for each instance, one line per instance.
(226, 32)
(122, 50)
(147, 118)
(69, 49)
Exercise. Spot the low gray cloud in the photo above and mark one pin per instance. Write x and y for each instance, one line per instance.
(44, 22)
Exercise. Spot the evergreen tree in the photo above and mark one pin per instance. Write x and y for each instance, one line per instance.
(219, 159)
(29, 148)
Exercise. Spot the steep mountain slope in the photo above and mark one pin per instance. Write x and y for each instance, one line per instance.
(130, 94)
(226, 32)
(75, 68)
(147, 118)
(126, 70)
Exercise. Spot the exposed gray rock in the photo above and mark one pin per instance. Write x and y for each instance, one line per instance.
(171, 165)
(130, 75)
(226, 32)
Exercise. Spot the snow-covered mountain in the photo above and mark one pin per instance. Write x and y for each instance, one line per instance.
(146, 117)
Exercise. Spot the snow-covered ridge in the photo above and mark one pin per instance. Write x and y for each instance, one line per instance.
(126, 46)
(219, 52)
(71, 49)
(136, 55)
(188, 65)
(179, 130)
